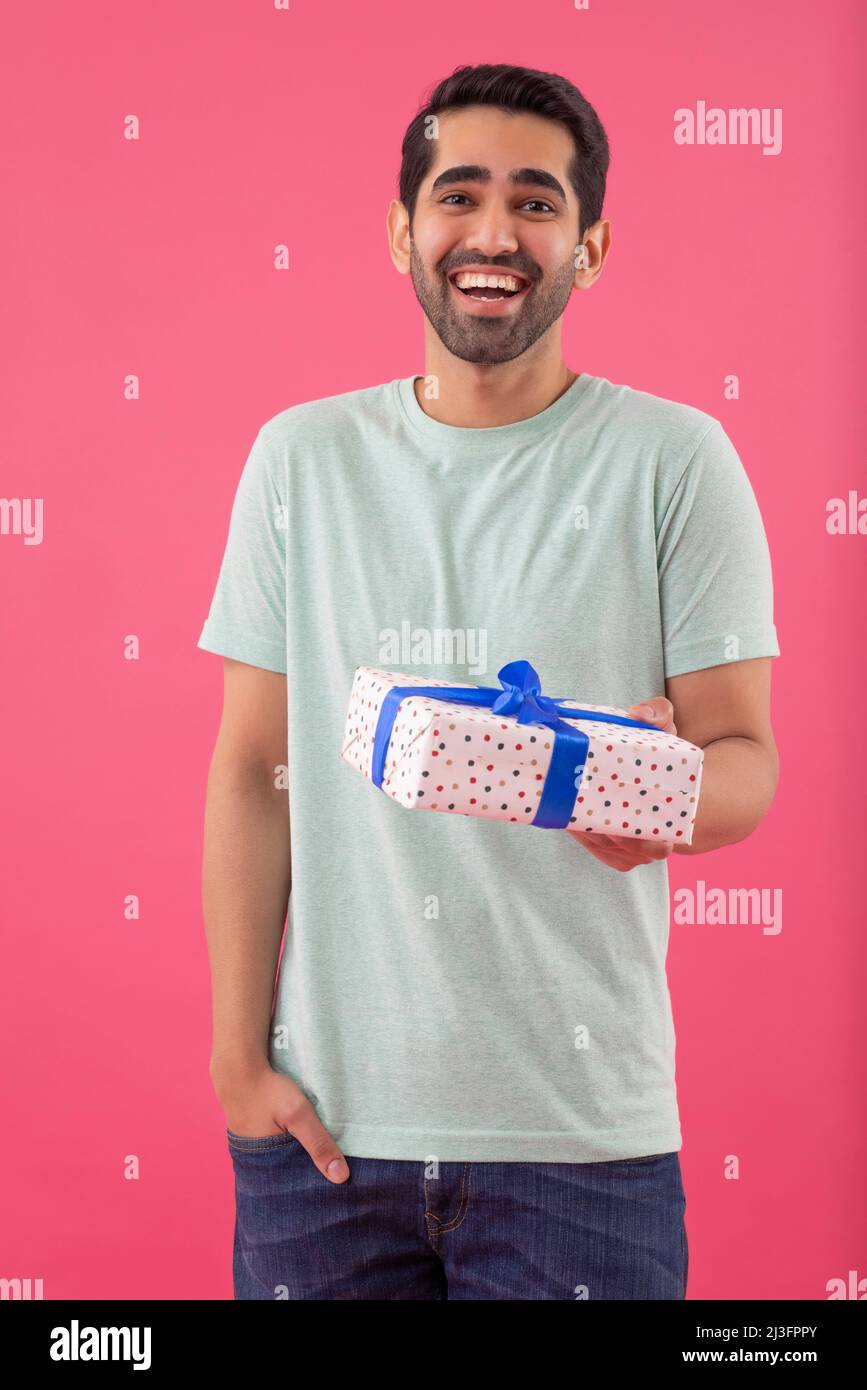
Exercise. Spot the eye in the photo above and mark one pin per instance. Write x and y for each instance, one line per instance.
(539, 204)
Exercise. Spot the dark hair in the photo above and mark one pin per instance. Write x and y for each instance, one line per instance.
(514, 89)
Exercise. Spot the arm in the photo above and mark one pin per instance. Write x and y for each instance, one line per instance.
(725, 710)
(246, 880)
(715, 596)
(246, 874)
(246, 871)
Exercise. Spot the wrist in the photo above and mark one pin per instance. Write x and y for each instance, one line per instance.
(232, 1073)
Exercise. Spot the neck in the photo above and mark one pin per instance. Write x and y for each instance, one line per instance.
(474, 396)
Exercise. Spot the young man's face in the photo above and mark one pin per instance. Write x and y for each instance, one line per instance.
(498, 196)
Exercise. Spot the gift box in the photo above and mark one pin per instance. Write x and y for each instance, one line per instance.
(510, 753)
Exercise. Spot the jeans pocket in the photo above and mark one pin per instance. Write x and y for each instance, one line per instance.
(247, 1143)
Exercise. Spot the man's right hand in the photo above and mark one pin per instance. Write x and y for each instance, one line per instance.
(263, 1102)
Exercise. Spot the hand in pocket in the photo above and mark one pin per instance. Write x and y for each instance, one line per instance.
(261, 1103)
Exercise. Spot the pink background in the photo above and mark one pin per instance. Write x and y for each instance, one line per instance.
(155, 257)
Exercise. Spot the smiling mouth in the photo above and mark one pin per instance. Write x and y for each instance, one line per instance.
(489, 285)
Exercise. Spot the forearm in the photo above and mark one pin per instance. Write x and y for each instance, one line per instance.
(738, 783)
(246, 878)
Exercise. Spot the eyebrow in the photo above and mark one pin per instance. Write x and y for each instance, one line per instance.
(476, 173)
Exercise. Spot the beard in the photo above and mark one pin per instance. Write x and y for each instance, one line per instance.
(484, 340)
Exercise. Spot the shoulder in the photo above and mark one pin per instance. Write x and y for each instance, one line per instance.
(671, 430)
(345, 412)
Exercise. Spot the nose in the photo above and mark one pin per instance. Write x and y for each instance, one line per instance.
(492, 232)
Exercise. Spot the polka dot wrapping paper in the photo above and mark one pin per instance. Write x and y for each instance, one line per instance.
(464, 760)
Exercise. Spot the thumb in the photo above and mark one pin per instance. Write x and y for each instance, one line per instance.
(322, 1148)
(658, 710)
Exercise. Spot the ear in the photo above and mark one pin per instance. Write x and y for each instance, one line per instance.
(399, 239)
(596, 245)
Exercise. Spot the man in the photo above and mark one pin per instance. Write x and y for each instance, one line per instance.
(467, 1086)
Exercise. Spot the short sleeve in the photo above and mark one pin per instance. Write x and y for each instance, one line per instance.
(714, 566)
(247, 617)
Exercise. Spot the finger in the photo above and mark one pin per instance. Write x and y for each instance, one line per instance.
(619, 843)
(592, 837)
(619, 853)
(642, 844)
(310, 1132)
(601, 847)
(641, 851)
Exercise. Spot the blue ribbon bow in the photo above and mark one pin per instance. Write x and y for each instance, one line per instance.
(520, 696)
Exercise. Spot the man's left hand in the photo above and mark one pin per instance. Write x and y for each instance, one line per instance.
(622, 852)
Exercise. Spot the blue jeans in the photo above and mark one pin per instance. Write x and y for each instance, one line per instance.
(476, 1231)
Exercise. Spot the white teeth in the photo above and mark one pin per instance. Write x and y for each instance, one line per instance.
(468, 281)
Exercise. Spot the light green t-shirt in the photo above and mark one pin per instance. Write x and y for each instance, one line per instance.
(472, 989)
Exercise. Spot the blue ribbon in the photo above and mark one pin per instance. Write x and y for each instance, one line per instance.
(520, 694)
